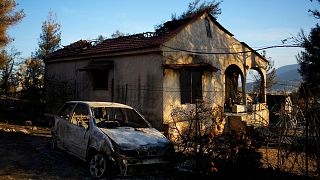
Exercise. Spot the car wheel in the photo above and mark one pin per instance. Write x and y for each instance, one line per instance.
(98, 165)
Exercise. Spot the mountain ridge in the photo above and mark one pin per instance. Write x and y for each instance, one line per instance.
(287, 78)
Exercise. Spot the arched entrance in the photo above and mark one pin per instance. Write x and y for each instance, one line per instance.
(256, 85)
(233, 94)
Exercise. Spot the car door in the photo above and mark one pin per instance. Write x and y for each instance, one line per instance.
(63, 118)
(77, 131)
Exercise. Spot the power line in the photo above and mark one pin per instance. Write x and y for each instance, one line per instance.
(239, 52)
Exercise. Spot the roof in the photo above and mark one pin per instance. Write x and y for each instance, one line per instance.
(131, 42)
(102, 104)
(124, 43)
(246, 45)
(71, 49)
(136, 41)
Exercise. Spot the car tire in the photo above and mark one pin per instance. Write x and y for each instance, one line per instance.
(98, 165)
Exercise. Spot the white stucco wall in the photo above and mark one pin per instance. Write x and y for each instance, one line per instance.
(143, 76)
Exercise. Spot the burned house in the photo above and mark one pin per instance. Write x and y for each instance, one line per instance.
(182, 61)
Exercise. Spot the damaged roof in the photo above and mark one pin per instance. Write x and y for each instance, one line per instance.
(131, 42)
(71, 49)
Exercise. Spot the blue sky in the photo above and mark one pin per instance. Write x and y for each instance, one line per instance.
(259, 23)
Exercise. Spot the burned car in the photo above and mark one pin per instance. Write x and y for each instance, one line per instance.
(113, 138)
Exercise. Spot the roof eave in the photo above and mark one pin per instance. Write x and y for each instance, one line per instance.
(219, 25)
(153, 49)
(258, 54)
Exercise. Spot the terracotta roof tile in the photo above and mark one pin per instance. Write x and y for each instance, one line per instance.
(72, 49)
(125, 43)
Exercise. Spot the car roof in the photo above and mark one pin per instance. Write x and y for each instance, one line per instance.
(102, 104)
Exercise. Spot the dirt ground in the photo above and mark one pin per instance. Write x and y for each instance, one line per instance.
(25, 153)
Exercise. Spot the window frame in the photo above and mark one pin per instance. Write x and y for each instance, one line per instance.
(191, 85)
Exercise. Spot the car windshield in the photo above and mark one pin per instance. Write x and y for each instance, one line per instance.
(111, 117)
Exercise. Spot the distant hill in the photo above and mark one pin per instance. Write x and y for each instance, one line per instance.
(288, 72)
(288, 78)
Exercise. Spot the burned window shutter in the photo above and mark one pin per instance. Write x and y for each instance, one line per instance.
(185, 86)
(196, 85)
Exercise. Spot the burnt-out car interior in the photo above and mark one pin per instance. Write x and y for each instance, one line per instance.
(106, 117)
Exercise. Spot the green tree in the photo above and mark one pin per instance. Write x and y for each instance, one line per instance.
(194, 8)
(7, 71)
(315, 12)
(8, 17)
(32, 71)
(50, 37)
(31, 76)
(197, 7)
(309, 60)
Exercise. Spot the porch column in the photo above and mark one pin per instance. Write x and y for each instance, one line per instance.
(244, 81)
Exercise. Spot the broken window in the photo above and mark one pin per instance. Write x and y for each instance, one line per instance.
(66, 110)
(208, 28)
(80, 116)
(134, 119)
(100, 79)
(190, 85)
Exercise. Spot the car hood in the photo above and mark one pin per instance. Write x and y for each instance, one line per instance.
(136, 138)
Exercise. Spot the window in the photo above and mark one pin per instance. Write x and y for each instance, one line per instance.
(66, 111)
(118, 117)
(100, 79)
(134, 119)
(208, 27)
(190, 85)
(115, 114)
(80, 116)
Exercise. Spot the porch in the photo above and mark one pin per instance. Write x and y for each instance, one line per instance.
(241, 116)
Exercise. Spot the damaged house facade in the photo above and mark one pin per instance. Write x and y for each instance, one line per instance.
(182, 61)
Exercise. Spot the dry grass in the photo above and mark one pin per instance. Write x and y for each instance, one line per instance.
(291, 162)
